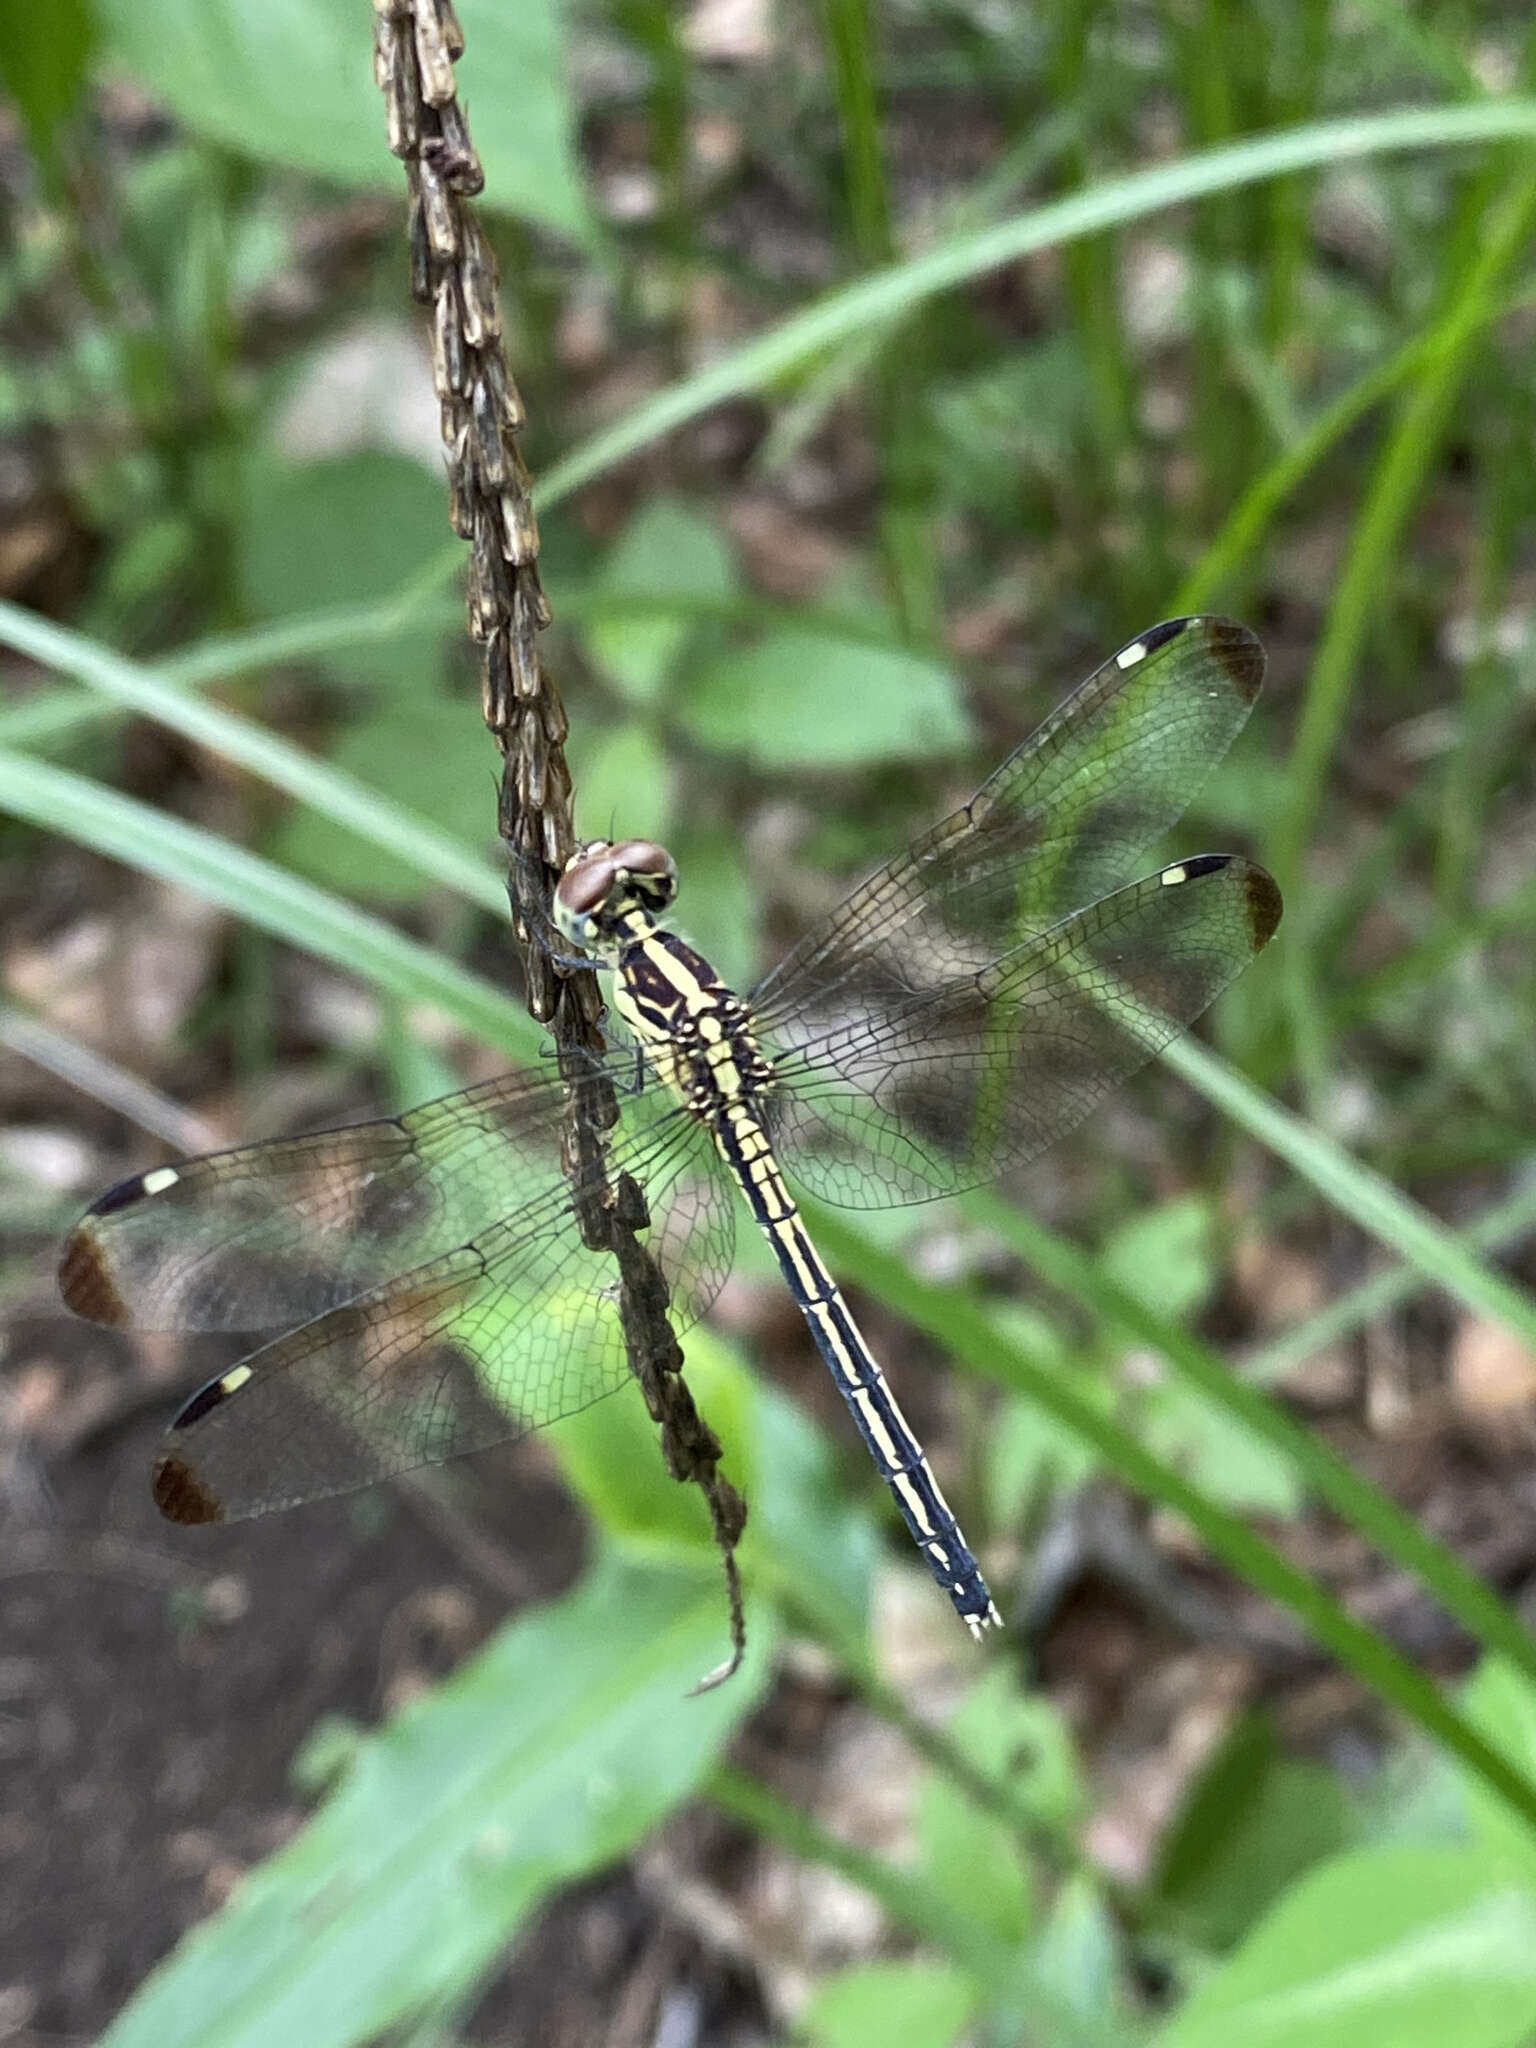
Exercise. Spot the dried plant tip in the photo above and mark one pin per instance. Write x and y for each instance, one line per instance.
(432, 58)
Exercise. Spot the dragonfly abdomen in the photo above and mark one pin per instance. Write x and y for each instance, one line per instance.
(888, 1436)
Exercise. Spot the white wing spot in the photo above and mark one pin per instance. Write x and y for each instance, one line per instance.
(1129, 656)
(1173, 876)
(234, 1380)
(162, 1178)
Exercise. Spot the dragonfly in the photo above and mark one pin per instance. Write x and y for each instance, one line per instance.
(422, 1280)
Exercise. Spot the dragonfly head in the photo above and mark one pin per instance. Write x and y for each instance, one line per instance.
(612, 893)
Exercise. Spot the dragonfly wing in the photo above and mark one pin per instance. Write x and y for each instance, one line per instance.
(510, 1331)
(1059, 824)
(947, 1091)
(270, 1235)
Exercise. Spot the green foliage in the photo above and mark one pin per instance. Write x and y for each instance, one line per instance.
(351, 529)
(1154, 382)
(1502, 1702)
(1255, 1822)
(922, 2005)
(665, 552)
(43, 74)
(797, 699)
(419, 750)
(626, 783)
(545, 1757)
(1021, 1745)
(1417, 1946)
(1031, 1458)
(1166, 1257)
(1079, 1962)
(289, 83)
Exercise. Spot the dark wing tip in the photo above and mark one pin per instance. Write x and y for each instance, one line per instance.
(1237, 650)
(180, 1495)
(1261, 893)
(1240, 653)
(1265, 907)
(85, 1280)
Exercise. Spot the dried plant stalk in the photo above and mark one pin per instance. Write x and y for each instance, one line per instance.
(453, 274)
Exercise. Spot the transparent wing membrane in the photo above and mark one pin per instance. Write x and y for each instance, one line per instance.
(513, 1330)
(411, 1346)
(267, 1235)
(1060, 824)
(945, 1090)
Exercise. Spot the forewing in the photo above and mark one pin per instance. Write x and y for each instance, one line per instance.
(1059, 824)
(945, 1090)
(270, 1235)
(510, 1331)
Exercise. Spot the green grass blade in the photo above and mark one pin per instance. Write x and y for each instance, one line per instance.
(1497, 1228)
(92, 815)
(337, 796)
(1395, 1532)
(900, 288)
(967, 1333)
(1359, 1193)
(1394, 490)
(1245, 526)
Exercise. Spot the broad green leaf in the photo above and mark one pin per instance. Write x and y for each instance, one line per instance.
(801, 699)
(43, 57)
(1079, 1959)
(1416, 1947)
(546, 1757)
(515, 82)
(347, 530)
(610, 1455)
(1021, 1737)
(1166, 1256)
(623, 783)
(963, 1852)
(429, 753)
(877, 2005)
(1218, 1451)
(967, 1854)
(1254, 1823)
(665, 551)
(1502, 1703)
(804, 1538)
(291, 82)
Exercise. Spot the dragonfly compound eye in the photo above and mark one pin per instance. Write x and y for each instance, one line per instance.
(586, 882)
(583, 890)
(651, 870)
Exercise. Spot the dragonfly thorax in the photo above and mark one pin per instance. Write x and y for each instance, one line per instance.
(611, 894)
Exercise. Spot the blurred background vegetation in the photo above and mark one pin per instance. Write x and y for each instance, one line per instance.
(886, 367)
